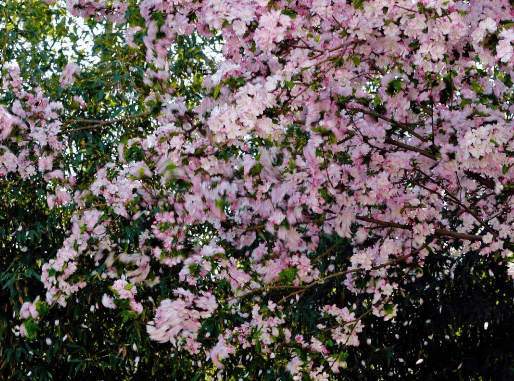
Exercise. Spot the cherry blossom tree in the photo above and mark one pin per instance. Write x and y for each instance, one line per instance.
(335, 148)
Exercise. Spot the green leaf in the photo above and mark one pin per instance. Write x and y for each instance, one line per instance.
(289, 12)
(288, 275)
(289, 84)
(216, 92)
(358, 4)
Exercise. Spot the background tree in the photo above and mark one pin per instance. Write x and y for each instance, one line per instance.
(102, 106)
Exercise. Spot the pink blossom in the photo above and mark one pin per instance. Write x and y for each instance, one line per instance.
(45, 163)
(137, 307)
(23, 331)
(295, 365)
(108, 302)
(504, 50)
(50, 200)
(28, 310)
(68, 75)
(124, 289)
(57, 174)
(6, 123)
(221, 351)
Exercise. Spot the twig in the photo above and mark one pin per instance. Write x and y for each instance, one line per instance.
(437, 232)
(323, 280)
(411, 148)
(403, 126)
(94, 123)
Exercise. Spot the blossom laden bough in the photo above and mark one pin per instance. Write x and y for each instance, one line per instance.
(386, 125)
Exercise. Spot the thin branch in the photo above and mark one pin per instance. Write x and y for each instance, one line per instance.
(411, 148)
(449, 196)
(385, 224)
(325, 252)
(457, 235)
(437, 232)
(94, 123)
(387, 264)
(481, 180)
(425, 109)
(321, 281)
(403, 126)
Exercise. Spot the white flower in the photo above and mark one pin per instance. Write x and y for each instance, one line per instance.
(108, 302)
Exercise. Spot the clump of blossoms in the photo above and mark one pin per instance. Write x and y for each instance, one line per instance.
(386, 122)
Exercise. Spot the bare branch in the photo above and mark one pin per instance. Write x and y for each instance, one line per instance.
(94, 123)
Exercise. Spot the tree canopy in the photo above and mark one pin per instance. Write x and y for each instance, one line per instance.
(256, 189)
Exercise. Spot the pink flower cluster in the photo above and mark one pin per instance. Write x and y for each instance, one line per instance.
(178, 321)
(125, 290)
(68, 74)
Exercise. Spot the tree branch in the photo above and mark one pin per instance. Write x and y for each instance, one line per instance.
(411, 148)
(323, 280)
(437, 232)
(403, 126)
(94, 123)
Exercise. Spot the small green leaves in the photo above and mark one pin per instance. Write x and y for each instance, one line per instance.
(288, 275)
(42, 307)
(290, 13)
(358, 4)
(216, 91)
(31, 327)
(289, 84)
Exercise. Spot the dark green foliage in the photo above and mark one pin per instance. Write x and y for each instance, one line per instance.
(82, 343)
(462, 330)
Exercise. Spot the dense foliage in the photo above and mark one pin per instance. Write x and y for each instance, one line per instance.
(256, 189)
(39, 41)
